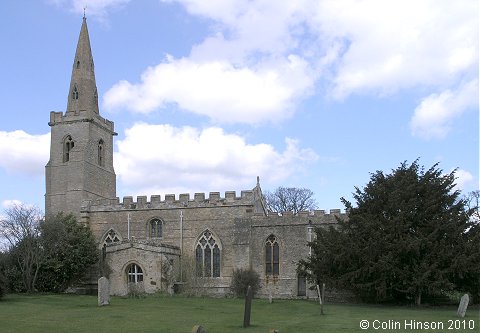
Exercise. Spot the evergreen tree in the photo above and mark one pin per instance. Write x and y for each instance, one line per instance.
(69, 248)
(409, 235)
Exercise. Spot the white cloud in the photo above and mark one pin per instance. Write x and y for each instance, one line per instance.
(158, 159)
(387, 45)
(21, 152)
(10, 202)
(393, 45)
(93, 8)
(216, 89)
(263, 56)
(434, 116)
(463, 179)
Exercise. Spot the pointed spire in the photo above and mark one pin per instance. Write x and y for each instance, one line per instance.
(83, 89)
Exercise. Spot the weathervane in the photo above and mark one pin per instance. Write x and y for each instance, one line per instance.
(84, 8)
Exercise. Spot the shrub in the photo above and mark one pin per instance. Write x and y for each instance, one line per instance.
(3, 285)
(241, 279)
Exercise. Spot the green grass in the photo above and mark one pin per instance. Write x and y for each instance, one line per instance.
(161, 314)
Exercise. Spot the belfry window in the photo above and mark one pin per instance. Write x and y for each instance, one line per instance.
(75, 93)
(156, 228)
(68, 145)
(101, 153)
(272, 256)
(134, 273)
(207, 256)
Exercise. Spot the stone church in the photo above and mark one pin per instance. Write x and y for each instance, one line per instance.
(155, 243)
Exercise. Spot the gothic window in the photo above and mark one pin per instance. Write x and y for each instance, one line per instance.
(207, 256)
(156, 228)
(78, 64)
(68, 145)
(111, 238)
(134, 273)
(75, 93)
(271, 256)
(309, 236)
(101, 153)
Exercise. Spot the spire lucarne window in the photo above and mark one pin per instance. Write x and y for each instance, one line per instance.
(75, 93)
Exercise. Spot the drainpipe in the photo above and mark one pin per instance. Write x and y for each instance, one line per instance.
(181, 245)
(128, 226)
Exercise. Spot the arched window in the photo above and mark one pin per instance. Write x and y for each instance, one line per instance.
(68, 145)
(111, 237)
(101, 153)
(156, 228)
(75, 93)
(272, 256)
(207, 256)
(134, 273)
(78, 64)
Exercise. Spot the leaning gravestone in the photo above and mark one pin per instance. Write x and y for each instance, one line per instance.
(462, 307)
(198, 329)
(103, 291)
(248, 307)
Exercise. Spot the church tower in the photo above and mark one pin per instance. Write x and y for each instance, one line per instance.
(81, 146)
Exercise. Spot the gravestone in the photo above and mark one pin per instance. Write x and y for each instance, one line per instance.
(462, 307)
(103, 291)
(248, 307)
(270, 297)
(198, 329)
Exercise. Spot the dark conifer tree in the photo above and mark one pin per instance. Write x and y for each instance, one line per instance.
(408, 235)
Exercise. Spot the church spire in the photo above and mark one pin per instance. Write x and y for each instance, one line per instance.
(83, 93)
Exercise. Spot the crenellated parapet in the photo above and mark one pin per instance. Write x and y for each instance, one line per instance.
(81, 115)
(170, 201)
(313, 217)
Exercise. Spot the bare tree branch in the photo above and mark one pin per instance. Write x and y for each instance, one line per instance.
(290, 199)
(20, 227)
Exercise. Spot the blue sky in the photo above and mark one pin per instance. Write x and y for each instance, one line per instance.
(206, 95)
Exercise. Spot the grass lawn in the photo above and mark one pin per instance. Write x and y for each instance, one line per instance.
(161, 314)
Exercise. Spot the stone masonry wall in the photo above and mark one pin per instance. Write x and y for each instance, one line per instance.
(241, 232)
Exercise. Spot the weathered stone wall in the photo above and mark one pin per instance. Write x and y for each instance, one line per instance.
(69, 183)
(153, 259)
(292, 234)
(240, 229)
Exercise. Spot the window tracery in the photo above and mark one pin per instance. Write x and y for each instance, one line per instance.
(156, 228)
(68, 145)
(112, 237)
(207, 255)
(272, 256)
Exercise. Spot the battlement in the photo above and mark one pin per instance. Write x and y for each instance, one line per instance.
(81, 115)
(170, 201)
(316, 213)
